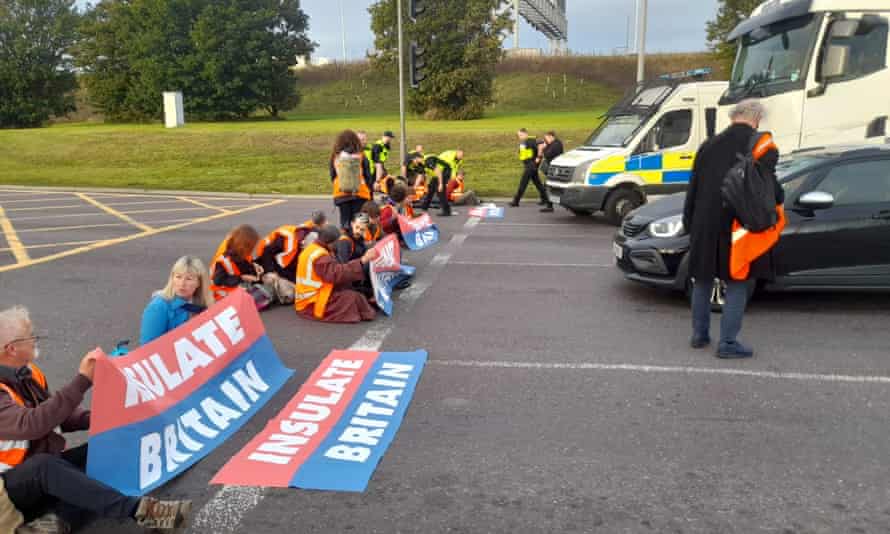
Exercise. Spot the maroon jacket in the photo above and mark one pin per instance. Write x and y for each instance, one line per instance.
(43, 412)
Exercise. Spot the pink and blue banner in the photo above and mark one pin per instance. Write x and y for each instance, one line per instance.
(387, 272)
(419, 232)
(335, 430)
(488, 211)
(167, 404)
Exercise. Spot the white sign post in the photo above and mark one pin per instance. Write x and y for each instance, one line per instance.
(174, 115)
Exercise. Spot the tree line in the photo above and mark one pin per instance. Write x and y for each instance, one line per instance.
(232, 58)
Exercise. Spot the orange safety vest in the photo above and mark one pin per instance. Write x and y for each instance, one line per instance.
(221, 292)
(747, 246)
(459, 190)
(363, 191)
(14, 451)
(311, 289)
(375, 235)
(291, 246)
(420, 191)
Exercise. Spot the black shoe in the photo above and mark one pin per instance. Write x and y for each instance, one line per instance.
(547, 209)
(513, 204)
(446, 214)
(730, 351)
(699, 342)
(404, 284)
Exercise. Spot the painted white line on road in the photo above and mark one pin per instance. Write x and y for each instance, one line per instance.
(522, 264)
(585, 366)
(225, 511)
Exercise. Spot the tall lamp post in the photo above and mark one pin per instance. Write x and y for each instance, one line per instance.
(402, 128)
(641, 40)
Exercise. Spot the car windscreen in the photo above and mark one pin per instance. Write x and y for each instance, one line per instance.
(791, 171)
(616, 130)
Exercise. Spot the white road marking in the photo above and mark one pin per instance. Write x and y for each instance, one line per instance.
(224, 512)
(587, 366)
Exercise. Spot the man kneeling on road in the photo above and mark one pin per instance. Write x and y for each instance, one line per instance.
(40, 481)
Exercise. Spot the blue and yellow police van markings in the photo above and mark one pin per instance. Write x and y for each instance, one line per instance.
(666, 168)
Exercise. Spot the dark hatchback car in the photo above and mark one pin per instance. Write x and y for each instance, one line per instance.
(837, 238)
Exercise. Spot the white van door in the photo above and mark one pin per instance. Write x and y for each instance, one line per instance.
(665, 155)
(853, 108)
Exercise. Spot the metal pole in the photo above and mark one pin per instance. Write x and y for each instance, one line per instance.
(515, 23)
(343, 31)
(402, 141)
(641, 42)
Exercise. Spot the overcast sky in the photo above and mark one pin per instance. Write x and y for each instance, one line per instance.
(595, 26)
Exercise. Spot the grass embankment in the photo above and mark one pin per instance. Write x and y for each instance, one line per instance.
(257, 157)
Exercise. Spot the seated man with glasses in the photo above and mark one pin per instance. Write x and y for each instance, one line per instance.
(41, 481)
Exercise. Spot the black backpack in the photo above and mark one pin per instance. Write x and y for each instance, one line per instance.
(750, 192)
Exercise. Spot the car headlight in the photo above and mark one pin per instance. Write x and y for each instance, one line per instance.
(667, 227)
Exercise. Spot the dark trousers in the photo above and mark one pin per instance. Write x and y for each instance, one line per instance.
(47, 482)
(530, 174)
(433, 189)
(348, 209)
(733, 310)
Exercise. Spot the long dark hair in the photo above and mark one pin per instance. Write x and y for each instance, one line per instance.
(348, 142)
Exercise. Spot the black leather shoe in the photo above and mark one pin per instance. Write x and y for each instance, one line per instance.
(513, 204)
(547, 209)
(699, 342)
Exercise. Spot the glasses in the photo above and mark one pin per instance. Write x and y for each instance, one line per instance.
(35, 339)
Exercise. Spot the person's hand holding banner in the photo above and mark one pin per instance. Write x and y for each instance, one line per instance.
(387, 272)
(166, 405)
(420, 232)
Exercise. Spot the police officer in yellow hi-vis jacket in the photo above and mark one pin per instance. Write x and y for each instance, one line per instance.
(528, 155)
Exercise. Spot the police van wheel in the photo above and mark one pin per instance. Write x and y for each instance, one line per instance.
(620, 202)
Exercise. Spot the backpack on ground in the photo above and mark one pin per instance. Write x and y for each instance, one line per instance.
(349, 172)
(749, 190)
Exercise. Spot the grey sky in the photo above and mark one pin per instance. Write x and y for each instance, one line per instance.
(595, 26)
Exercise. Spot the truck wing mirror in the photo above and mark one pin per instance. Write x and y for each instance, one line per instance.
(834, 64)
(843, 29)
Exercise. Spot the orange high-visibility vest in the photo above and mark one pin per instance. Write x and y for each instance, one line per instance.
(363, 191)
(291, 246)
(311, 289)
(747, 246)
(459, 190)
(14, 451)
(221, 292)
(375, 235)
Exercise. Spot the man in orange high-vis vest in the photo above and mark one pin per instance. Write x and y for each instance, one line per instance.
(710, 225)
(41, 482)
(277, 254)
(323, 284)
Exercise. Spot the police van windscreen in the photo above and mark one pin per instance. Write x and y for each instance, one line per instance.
(615, 131)
(774, 54)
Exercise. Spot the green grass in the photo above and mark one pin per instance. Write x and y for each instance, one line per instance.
(261, 156)
(290, 156)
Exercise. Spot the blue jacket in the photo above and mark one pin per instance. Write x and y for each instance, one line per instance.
(161, 316)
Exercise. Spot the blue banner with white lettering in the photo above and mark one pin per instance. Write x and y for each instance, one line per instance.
(419, 233)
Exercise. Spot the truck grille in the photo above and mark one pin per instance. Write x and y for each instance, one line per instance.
(560, 174)
(632, 227)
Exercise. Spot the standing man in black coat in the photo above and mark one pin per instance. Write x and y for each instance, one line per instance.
(710, 227)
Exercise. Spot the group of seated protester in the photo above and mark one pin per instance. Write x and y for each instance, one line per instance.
(315, 266)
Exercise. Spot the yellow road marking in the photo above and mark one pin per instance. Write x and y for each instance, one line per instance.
(118, 240)
(8, 201)
(86, 226)
(112, 211)
(118, 214)
(39, 208)
(267, 197)
(199, 203)
(15, 244)
(51, 245)
(170, 200)
(164, 210)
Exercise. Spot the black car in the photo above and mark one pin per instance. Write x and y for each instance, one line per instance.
(837, 202)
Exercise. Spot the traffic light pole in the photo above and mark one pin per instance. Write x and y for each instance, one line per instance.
(403, 143)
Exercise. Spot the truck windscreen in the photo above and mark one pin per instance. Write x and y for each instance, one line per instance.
(616, 130)
(774, 54)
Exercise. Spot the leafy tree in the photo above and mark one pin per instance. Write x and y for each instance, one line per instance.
(462, 43)
(228, 57)
(729, 15)
(36, 77)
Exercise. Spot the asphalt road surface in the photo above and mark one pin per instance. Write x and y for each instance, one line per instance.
(558, 397)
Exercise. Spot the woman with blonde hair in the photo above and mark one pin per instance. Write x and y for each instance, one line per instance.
(187, 293)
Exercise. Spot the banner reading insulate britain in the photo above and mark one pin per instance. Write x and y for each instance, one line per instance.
(332, 434)
(167, 404)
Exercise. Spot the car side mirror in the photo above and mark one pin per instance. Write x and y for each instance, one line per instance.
(816, 200)
(834, 64)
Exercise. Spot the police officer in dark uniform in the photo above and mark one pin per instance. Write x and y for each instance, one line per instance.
(379, 154)
(528, 155)
(445, 165)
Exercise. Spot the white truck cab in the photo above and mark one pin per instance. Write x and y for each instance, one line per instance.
(820, 67)
(646, 145)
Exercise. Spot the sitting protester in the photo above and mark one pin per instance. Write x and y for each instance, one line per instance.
(351, 246)
(233, 267)
(324, 285)
(277, 254)
(187, 293)
(457, 193)
(374, 232)
(42, 484)
(397, 204)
